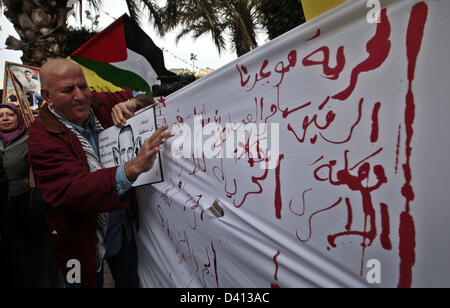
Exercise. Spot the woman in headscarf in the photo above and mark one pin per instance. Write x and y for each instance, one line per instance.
(24, 234)
(3, 201)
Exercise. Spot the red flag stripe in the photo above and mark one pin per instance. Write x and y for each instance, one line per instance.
(107, 46)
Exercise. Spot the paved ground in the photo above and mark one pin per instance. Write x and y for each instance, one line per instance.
(108, 280)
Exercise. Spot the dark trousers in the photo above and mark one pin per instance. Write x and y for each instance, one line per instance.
(4, 266)
(123, 266)
(27, 259)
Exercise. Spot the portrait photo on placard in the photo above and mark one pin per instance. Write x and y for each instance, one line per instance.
(27, 80)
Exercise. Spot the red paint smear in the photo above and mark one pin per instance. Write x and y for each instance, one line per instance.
(331, 73)
(378, 48)
(163, 102)
(324, 103)
(276, 264)
(351, 129)
(397, 152)
(385, 227)
(315, 36)
(278, 200)
(349, 215)
(255, 180)
(261, 71)
(310, 219)
(367, 158)
(304, 206)
(414, 37)
(355, 183)
(197, 165)
(275, 285)
(287, 112)
(407, 249)
(329, 118)
(375, 113)
(319, 159)
(244, 69)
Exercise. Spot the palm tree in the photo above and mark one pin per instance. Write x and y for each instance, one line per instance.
(137, 7)
(198, 17)
(41, 25)
(280, 16)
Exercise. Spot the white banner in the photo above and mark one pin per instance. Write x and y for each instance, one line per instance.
(342, 177)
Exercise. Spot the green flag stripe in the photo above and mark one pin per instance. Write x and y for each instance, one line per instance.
(116, 76)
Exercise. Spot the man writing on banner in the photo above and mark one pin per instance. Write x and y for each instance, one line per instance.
(85, 202)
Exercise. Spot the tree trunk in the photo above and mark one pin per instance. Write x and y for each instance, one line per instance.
(40, 25)
(243, 41)
(242, 47)
(243, 27)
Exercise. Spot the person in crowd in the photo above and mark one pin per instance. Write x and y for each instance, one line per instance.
(27, 260)
(83, 198)
(3, 201)
(31, 87)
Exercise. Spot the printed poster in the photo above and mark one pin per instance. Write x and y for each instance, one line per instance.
(120, 145)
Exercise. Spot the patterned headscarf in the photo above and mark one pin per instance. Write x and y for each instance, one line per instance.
(10, 137)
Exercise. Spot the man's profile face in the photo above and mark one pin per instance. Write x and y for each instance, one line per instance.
(126, 145)
(68, 93)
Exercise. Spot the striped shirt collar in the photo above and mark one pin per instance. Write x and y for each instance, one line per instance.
(89, 122)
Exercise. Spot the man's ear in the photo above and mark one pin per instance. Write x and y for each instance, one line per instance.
(45, 96)
(116, 155)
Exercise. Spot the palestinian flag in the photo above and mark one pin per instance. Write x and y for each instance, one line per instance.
(120, 56)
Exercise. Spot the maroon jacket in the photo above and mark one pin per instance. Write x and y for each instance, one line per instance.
(74, 195)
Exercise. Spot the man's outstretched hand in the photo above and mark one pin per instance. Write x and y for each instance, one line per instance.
(145, 159)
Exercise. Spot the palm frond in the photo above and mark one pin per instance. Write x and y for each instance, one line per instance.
(198, 17)
(137, 7)
(133, 9)
(155, 13)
